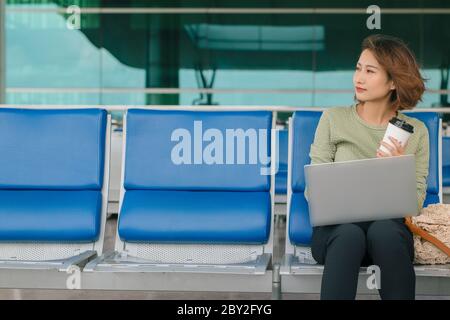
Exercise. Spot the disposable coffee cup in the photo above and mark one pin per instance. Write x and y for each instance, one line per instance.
(398, 129)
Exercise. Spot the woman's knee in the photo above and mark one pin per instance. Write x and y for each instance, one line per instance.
(350, 237)
(344, 238)
(384, 231)
(349, 234)
(388, 235)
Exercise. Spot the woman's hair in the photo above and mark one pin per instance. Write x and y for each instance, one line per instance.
(402, 68)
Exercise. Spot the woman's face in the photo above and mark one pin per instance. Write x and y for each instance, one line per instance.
(371, 80)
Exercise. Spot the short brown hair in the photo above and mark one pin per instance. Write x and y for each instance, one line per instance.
(402, 68)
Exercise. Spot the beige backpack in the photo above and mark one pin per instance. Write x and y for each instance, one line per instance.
(431, 231)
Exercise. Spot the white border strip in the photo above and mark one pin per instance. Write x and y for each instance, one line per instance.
(194, 108)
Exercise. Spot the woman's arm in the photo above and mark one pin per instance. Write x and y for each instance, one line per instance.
(422, 156)
(422, 164)
(322, 149)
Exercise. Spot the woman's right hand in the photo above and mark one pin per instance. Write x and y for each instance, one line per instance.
(396, 150)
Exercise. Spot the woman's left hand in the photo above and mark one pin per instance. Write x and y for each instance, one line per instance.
(396, 150)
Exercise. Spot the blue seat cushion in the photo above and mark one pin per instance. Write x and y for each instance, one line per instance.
(52, 149)
(300, 230)
(50, 216)
(216, 217)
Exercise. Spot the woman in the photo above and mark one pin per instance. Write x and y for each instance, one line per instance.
(386, 80)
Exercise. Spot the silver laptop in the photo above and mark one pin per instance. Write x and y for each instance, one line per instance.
(361, 190)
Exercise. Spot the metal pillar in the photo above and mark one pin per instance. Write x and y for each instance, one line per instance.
(162, 58)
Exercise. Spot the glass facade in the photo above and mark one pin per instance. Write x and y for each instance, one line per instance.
(207, 52)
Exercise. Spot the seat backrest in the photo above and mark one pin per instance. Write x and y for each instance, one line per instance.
(191, 150)
(283, 150)
(432, 121)
(446, 161)
(304, 124)
(281, 175)
(52, 149)
(446, 151)
(304, 128)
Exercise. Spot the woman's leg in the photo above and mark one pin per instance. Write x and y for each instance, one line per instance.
(390, 244)
(340, 248)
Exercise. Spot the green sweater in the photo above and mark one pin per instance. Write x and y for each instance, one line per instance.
(342, 135)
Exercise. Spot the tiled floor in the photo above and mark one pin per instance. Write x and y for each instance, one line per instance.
(109, 245)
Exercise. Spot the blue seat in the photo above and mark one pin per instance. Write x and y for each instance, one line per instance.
(281, 176)
(51, 175)
(304, 125)
(196, 204)
(446, 161)
(434, 184)
(168, 202)
(48, 216)
(195, 217)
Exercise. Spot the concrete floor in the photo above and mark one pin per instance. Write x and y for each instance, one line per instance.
(279, 239)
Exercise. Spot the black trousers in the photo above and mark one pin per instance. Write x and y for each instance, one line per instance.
(343, 249)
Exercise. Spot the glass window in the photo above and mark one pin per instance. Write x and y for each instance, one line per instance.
(180, 57)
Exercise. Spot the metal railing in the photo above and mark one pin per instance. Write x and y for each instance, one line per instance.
(197, 108)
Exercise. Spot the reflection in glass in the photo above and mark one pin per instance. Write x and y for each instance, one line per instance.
(203, 58)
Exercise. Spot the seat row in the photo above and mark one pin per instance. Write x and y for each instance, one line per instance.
(196, 200)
